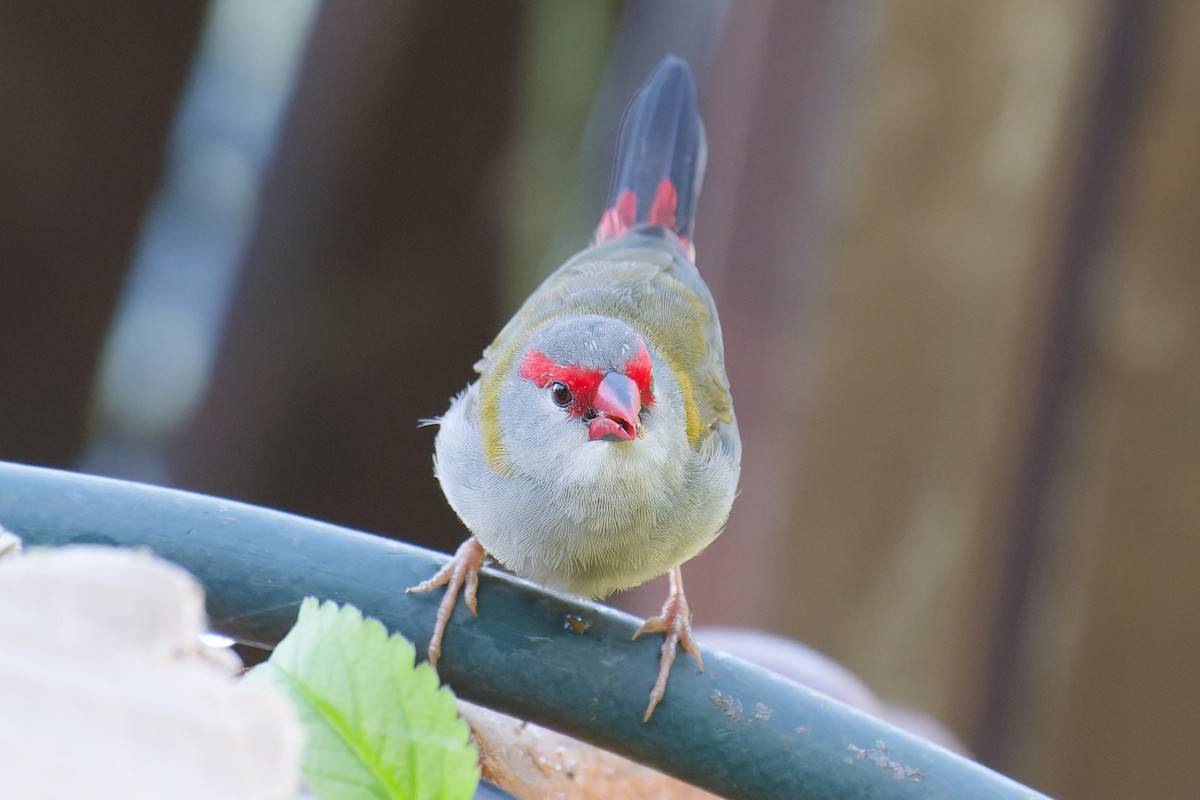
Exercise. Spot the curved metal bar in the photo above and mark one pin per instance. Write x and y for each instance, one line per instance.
(735, 729)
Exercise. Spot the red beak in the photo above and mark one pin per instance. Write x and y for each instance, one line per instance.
(617, 404)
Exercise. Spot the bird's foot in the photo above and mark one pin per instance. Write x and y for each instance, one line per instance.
(460, 573)
(675, 621)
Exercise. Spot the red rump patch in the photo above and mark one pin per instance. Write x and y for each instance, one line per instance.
(622, 215)
(662, 211)
(619, 218)
(582, 381)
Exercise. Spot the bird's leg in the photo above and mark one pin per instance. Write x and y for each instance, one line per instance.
(461, 573)
(675, 621)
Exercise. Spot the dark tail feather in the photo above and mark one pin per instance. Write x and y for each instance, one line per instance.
(660, 157)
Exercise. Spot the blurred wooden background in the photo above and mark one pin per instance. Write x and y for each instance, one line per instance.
(956, 252)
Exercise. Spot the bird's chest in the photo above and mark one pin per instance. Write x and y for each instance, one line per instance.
(588, 527)
(610, 494)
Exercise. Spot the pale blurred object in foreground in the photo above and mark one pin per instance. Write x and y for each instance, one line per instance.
(107, 692)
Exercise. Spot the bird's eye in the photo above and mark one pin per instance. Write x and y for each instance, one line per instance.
(561, 395)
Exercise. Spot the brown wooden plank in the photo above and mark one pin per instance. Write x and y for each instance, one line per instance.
(884, 397)
(1109, 699)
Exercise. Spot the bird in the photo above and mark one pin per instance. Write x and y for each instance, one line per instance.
(598, 447)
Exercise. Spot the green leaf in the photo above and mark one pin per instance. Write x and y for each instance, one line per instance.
(376, 726)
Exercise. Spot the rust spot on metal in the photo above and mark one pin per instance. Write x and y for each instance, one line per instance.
(761, 713)
(878, 756)
(730, 706)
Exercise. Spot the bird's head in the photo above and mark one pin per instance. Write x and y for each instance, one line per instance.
(591, 377)
(586, 392)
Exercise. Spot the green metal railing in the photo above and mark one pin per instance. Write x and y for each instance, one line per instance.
(519, 656)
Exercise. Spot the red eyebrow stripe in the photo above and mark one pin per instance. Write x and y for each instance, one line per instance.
(542, 371)
(639, 369)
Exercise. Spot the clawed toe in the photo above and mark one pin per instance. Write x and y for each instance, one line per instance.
(460, 573)
(675, 622)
